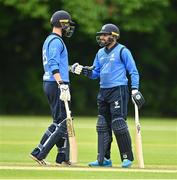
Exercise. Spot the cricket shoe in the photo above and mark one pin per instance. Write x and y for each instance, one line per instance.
(40, 162)
(106, 163)
(126, 163)
(64, 164)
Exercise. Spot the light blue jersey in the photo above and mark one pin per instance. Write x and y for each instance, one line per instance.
(111, 69)
(55, 58)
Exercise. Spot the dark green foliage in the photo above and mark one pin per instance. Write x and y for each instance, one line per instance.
(148, 29)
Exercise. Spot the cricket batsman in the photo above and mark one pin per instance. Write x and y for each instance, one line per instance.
(111, 64)
(56, 88)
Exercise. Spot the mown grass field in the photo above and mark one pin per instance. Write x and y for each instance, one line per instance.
(19, 134)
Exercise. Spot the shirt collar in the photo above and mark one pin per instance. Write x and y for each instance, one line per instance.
(109, 50)
(55, 34)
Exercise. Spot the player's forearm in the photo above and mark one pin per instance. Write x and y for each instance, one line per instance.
(57, 76)
(135, 81)
(94, 75)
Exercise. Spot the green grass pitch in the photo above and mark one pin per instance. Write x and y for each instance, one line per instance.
(20, 134)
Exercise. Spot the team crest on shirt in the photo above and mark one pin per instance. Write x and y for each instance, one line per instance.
(112, 58)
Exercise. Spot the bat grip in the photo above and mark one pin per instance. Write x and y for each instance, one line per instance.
(136, 114)
(68, 112)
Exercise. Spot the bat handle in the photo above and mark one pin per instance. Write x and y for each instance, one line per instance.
(136, 114)
(68, 112)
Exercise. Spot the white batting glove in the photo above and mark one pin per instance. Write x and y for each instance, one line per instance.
(134, 91)
(76, 68)
(64, 92)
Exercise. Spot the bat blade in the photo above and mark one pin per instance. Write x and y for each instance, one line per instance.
(138, 140)
(70, 127)
(72, 140)
(71, 134)
(139, 149)
(73, 149)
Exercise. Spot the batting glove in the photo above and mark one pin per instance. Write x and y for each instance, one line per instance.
(64, 92)
(137, 98)
(87, 70)
(76, 68)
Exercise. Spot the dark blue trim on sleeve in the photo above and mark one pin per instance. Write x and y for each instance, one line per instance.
(58, 37)
(55, 71)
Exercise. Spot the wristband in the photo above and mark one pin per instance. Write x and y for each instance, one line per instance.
(60, 82)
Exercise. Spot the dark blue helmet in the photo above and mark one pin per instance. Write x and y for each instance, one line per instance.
(109, 29)
(63, 19)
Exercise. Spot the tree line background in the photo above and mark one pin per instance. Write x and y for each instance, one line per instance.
(147, 28)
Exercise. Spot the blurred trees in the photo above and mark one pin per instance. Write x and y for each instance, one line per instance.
(147, 28)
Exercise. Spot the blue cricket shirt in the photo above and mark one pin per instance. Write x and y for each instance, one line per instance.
(55, 57)
(112, 70)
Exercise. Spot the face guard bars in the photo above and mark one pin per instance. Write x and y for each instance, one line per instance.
(68, 27)
(110, 40)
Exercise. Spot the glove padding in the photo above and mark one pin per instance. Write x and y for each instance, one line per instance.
(138, 98)
(76, 68)
(64, 92)
(87, 70)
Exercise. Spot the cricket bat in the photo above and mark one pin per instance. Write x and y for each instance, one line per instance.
(71, 134)
(138, 140)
